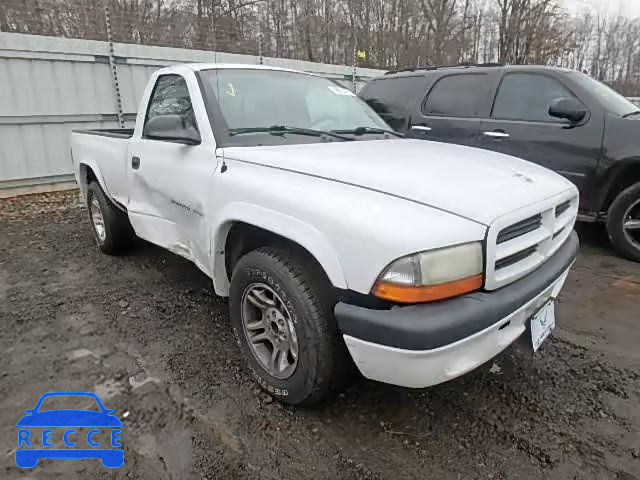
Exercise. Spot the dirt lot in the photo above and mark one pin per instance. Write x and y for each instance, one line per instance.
(147, 334)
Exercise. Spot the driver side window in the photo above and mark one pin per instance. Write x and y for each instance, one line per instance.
(171, 97)
(527, 97)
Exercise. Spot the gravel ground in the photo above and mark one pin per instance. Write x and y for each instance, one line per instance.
(147, 334)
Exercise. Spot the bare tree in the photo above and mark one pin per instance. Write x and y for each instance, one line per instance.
(394, 33)
(439, 15)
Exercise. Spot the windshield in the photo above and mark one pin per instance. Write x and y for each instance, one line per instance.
(264, 98)
(611, 100)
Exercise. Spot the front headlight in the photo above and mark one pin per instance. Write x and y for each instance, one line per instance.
(432, 275)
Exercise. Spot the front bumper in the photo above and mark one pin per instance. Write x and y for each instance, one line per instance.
(423, 345)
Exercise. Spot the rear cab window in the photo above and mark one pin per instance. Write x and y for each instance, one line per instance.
(458, 95)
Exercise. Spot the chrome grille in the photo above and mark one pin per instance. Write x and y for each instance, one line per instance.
(520, 228)
(558, 233)
(560, 209)
(519, 242)
(516, 257)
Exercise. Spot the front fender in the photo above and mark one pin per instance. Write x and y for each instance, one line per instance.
(622, 172)
(281, 224)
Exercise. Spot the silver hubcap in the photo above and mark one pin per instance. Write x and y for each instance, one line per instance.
(269, 330)
(632, 224)
(97, 219)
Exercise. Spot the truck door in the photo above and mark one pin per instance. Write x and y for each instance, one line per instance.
(450, 112)
(520, 125)
(169, 181)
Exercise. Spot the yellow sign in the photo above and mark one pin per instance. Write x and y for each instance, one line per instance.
(362, 54)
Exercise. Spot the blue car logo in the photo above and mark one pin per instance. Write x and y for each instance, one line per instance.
(32, 447)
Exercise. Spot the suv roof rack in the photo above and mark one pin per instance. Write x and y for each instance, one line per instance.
(437, 67)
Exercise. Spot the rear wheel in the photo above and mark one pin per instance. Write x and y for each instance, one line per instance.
(282, 316)
(623, 223)
(111, 228)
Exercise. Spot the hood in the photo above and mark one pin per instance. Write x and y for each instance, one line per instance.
(475, 184)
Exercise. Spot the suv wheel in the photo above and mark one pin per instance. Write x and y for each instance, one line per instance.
(623, 223)
(282, 317)
(111, 228)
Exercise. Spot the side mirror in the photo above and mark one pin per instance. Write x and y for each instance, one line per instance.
(29, 410)
(568, 108)
(171, 128)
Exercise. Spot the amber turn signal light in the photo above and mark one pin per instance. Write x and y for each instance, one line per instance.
(426, 293)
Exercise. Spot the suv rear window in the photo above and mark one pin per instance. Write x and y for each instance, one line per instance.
(393, 98)
(456, 96)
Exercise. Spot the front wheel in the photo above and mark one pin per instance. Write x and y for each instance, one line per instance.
(282, 316)
(623, 223)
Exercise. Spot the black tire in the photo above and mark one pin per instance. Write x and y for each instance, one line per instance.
(118, 233)
(323, 362)
(626, 245)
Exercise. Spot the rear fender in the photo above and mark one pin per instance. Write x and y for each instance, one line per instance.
(82, 177)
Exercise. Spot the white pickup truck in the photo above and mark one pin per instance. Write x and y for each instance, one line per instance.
(337, 241)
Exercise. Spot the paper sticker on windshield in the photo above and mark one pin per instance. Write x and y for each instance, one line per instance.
(341, 91)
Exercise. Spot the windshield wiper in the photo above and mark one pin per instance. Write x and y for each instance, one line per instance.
(631, 114)
(281, 129)
(369, 130)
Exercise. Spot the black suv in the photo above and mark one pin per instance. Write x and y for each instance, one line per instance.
(558, 118)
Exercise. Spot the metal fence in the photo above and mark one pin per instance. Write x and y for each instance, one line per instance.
(51, 85)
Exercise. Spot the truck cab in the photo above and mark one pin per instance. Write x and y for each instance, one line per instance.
(561, 119)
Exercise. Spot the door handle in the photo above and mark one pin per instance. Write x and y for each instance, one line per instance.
(422, 128)
(135, 163)
(496, 134)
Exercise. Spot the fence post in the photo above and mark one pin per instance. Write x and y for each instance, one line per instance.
(260, 60)
(355, 62)
(114, 71)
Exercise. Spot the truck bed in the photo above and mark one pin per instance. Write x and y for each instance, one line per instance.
(106, 150)
(109, 132)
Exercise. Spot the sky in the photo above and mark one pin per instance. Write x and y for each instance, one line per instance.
(629, 8)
